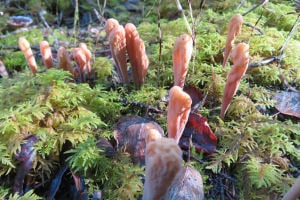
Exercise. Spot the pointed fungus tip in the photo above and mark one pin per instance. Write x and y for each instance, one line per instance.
(110, 25)
(182, 53)
(234, 28)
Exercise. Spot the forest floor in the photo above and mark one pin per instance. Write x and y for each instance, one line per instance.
(58, 130)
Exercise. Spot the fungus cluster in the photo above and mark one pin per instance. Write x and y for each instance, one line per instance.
(127, 40)
(81, 55)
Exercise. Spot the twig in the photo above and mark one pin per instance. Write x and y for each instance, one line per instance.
(286, 83)
(291, 33)
(254, 27)
(263, 3)
(160, 40)
(256, 23)
(76, 20)
(159, 31)
(240, 4)
(41, 16)
(193, 35)
(263, 62)
(179, 7)
(281, 54)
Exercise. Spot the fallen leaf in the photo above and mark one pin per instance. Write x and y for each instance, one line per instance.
(288, 103)
(131, 135)
(203, 139)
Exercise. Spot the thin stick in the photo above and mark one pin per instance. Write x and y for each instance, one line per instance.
(193, 35)
(76, 19)
(179, 7)
(281, 54)
(291, 33)
(263, 3)
(159, 30)
(254, 27)
(160, 41)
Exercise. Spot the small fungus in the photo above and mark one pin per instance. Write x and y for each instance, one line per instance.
(88, 56)
(178, 112)
(110, 25)
(46, 54)
(137, 55)
(80, 59)
(26, 49)
(240, 59)
(64, 61)
(117, 41)
(234, 28)
(182, 53)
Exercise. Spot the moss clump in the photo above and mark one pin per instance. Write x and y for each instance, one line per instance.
(103, 68)
(15, 62)
(266, 75)
(241, 107)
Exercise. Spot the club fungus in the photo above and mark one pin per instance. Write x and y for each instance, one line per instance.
(88, 56)
(182, 53)
(64, 61)
(117, 41)
(46, 54)
(163, 161)
(26, 49)
(178, 112)
(80, 59)
(234, 28)
(240, 59)
(137, 55)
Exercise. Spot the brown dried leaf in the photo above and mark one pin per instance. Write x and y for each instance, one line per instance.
(288, 103)
(133, 132)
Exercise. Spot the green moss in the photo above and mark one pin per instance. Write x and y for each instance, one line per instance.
(15, 62)
(241, 107)
(279, 16)
(266, 75)
(103, 68)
